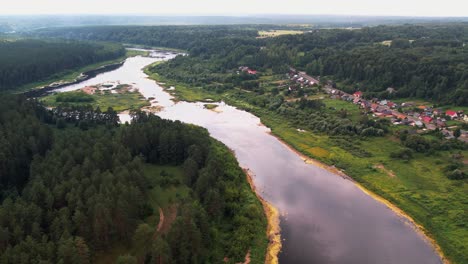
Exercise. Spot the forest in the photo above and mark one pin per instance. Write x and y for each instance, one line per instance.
(424, 61)
(24, 61)
(75, 183)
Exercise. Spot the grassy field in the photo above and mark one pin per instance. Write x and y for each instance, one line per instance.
(418, 187)
(189, 94)
(71, 75)
(334, 106)
(276, 33)
(118, 101)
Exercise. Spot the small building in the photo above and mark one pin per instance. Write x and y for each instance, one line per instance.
(391, 90)
(399, 115)
(422, 107)
(440, 123)
(447, 134)
(452, 114)
(427, 119)
(365, 104)
(418, 123)
(407, 104)
(357, 94)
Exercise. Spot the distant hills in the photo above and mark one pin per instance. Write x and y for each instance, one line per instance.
(19, 23)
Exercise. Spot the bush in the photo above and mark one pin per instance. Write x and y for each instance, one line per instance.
(457, 175)
(404, 154)
(74, 97)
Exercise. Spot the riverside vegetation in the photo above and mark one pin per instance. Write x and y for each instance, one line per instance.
(28, 63)
(423, 174)
(119, 99)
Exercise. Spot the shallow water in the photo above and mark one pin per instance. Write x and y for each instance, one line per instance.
(326, 219)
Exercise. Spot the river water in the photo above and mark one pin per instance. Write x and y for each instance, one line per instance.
(325, 218)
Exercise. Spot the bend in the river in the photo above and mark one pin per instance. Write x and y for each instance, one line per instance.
(325, 218)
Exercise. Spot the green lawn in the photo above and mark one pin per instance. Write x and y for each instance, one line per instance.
(354, 113)
(182, 91)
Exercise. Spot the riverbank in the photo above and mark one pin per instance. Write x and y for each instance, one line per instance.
(419, 189)
(75, 76)
(417, 227)
(120, 98)
(273, 228)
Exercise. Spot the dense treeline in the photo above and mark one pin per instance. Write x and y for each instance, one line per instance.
(425, 61)
(435, 70)
(70, 190)
(25, 61)
(181, 37)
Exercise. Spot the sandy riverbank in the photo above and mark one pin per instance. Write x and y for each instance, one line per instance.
(417, 227)
(273, 226)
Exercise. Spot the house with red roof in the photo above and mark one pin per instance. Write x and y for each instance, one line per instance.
(452, 114)
(427, 119)
(390, 104)
(253, 72)
(399, 115)
(357, 94)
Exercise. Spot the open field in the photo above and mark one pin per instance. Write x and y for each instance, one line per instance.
(276, 33)
(189, 94)
(118, 101)
(335, 106)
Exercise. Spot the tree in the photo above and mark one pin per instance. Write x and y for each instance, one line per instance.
(160, 251)
(143, 238)
(457, 133)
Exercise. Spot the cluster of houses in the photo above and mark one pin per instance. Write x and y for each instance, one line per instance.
(246, 70)
(301, 79)
(402, 114)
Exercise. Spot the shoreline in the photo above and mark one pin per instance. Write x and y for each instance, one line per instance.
(419, 229)
(38, 92)
(273, 224)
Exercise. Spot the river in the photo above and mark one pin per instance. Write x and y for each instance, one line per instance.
(324, 217)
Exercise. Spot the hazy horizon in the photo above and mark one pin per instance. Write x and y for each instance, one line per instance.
(397, 8)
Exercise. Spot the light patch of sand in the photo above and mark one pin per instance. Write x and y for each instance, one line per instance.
(273, 227)
(89, 90)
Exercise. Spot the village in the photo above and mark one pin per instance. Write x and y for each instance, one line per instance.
(423, 118)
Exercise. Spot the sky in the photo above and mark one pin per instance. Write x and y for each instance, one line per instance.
(239, 7)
